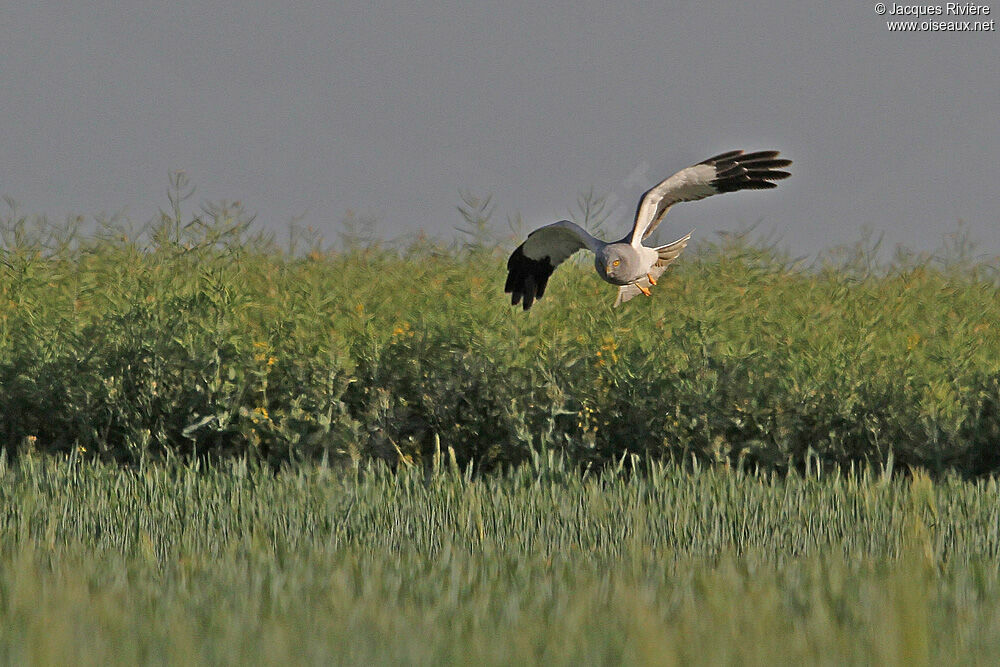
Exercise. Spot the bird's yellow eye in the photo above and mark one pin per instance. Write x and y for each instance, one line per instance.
(616, 262)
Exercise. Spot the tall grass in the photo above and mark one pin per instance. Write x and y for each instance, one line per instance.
(199, 336)
(232, 563)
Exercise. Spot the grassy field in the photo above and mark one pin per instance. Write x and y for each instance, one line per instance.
(235, 564)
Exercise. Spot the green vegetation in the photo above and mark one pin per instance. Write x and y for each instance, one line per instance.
(194, 420)
(198, 337)
(236, 564)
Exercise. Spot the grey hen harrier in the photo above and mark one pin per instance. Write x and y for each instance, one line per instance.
(628, 263)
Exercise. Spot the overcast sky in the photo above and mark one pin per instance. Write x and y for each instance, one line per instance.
(315, 108)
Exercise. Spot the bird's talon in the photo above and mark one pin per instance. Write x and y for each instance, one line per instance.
(644, 289)
(652, 280)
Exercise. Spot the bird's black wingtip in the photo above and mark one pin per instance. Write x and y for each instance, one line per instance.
(737, 170)
(526, 277)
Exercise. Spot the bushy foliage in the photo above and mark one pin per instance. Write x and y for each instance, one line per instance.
(199, 337)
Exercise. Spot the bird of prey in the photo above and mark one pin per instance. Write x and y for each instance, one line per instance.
(628, 263)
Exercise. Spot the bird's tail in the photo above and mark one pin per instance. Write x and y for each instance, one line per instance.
(672, 251)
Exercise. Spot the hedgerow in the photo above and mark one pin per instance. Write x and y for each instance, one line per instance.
(200, 337)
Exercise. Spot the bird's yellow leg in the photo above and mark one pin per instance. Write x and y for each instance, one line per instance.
(644, 289)
(652, 280)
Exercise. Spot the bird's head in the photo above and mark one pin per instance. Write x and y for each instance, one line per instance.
(616, 263)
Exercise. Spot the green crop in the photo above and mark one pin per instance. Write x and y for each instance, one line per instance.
(233, 563)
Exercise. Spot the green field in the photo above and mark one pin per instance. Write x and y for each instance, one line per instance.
(223, 449)
(232, 564)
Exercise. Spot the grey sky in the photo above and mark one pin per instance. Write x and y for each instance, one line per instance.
(315, 108)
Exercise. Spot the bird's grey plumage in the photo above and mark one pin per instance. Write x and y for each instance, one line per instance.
(628, 263)
(666, 254)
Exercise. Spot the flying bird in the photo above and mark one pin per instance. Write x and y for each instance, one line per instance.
(628, 263)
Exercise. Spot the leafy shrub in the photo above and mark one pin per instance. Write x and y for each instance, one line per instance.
(197, 338)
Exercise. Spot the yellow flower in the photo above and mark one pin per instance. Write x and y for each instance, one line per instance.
(263, 358)
(610, 346)
(402, 330)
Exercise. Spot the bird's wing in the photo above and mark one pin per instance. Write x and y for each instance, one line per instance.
(530, 266)
(726, 172)
(667, 254)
